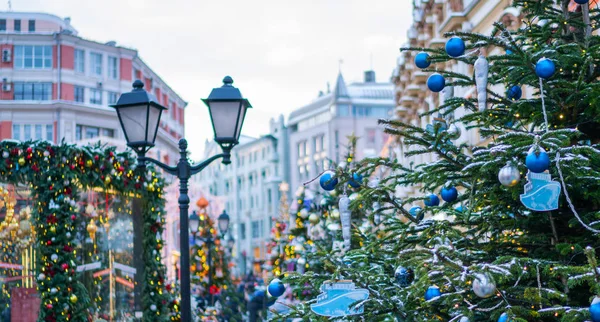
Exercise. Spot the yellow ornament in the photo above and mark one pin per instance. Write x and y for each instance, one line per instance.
(52, 229)
(21, 161)
(73, 298)
(150, 187)
(107, 180)
(89, 163)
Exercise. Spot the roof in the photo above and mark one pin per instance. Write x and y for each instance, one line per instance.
(63, 23)
(369, 93)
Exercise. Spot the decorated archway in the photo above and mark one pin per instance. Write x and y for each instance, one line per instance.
(57, 175)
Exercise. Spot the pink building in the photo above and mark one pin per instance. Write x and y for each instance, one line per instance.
(56, 84)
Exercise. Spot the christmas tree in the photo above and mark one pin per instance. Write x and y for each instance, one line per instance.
(515, 236)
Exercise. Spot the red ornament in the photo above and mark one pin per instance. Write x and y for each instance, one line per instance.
(29, 150)
(111, 154)
(49, 306)
(213, 290)
(72, 166)
(73, 217)
(68, 190)
(35, 168)
(68, 248)
(51, 187)
(65, 266)
(96, 157)
(168, 287)
(49, 243)
(121, 169)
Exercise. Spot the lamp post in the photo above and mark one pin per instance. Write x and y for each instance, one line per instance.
(139, 114)
(223, 225)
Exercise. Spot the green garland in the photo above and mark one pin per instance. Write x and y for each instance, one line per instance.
(57, 175)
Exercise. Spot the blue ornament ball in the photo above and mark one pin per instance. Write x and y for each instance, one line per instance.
(404, 276)
(460, 208)
(432, 201)
(328, 181)
(449, 194)
(509, 52)
(436, 82)
(432, 291)
(514, 93)
(455, 47)
(503, 318)
(356, 180)
(545, 68)
(537, 162)
(422, 60)
(276, 288)
(582, 2)
(595, 309)
(414, 211)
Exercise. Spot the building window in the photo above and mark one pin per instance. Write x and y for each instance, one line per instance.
(113, 66)
(79, 95)
(32, 91)
(38, 132)
(31, 25)
(255, 229)
(79, 60)
(112, 98)
(33, 57)
(16, 131)
(17, 25)
(243, 231)
(24, 132)
(95, 96)
(96, 64)
(2, 24)
(90, 132)
(27, 132)
(49, 132)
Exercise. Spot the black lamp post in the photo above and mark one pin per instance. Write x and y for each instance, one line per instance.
(223, 224)
(139, 113)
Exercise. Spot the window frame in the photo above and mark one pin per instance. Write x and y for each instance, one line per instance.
(79, 90)
(17, 22)
(113, 71)
(29, 53)
(37, 88)
(96, 65)
(31, 25)
(95, 96)
(79, 61)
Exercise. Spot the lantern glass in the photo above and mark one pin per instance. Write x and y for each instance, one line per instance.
(194, 222)
(227, 117)
(223, 223)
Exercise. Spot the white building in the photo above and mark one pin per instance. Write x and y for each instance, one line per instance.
(319, 130)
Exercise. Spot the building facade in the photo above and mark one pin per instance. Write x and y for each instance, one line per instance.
(431, 19)
(319, 131)
(58, 85)
(249, 189)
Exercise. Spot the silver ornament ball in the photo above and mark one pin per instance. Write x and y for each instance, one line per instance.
(484, 285)
(453, 132)
(509, 175)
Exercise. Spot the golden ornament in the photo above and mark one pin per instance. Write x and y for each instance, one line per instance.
(89, 163)
(53, 229)
(73, 298)
(21, 161)
(107, 180)
(313, 218)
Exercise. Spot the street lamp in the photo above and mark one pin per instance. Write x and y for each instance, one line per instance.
(139, 114)
(194, 223)
(223, 223)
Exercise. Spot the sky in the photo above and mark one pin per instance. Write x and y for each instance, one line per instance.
(280, 53)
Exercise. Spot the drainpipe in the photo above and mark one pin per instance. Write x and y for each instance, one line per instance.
(58, 86)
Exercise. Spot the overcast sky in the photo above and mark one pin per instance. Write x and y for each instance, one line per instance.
(280, 53)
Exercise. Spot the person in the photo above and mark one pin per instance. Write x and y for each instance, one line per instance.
(256, 305)
(6, 314)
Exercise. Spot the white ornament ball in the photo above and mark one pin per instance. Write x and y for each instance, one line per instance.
(484, 285)
(54, 257)
(464, 319)
(274, 253)
(301, 261)
(46, 153)
(53, 290)
(53, 239)
(41, 277)
(509, 175)
(151, 293)
(313, 218)
(5, 154)
(303, 213)
(68, 234)
(335, 214)
(153, 307)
